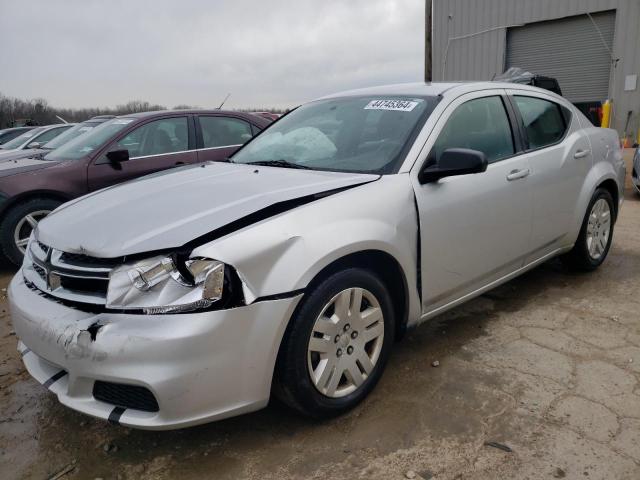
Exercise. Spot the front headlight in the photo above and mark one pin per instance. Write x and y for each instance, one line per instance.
(166, 285)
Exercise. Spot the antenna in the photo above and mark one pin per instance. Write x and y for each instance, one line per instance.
(61, 119)
(225, 99)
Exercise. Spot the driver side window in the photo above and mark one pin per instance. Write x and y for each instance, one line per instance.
(155, 138)
(480, 124)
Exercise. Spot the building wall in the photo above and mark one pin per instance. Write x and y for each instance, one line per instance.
(481, 56)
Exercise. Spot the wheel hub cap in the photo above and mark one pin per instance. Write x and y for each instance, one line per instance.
(598, 229)
(346, 341)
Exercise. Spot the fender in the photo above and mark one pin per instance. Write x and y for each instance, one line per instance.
(284, 253)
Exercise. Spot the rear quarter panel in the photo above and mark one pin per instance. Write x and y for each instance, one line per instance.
(607, 164)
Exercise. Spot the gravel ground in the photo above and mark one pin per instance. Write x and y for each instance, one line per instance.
(540, 378)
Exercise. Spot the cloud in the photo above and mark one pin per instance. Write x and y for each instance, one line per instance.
(265, 53)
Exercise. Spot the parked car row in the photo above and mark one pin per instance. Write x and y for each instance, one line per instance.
(7, 134)
(104, 151)
(43, 145)
(32, 138)
(191, 295)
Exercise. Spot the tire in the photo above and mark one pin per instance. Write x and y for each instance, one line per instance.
(296, 364)
(16, 217)
(580, 257)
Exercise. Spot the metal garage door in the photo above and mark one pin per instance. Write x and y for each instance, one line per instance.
(571, 49)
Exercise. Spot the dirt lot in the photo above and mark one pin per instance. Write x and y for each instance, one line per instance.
(547, 366)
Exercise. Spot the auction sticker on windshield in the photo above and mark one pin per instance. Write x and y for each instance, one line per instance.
(399, 105)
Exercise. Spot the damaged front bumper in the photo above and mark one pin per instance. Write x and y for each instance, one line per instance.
(198, 367)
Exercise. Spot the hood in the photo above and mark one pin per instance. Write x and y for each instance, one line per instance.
(170, 209)
(15, 154)
(25, 163)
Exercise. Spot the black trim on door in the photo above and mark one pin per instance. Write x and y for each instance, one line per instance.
(517, 129)
(192, 133)
(199, 140)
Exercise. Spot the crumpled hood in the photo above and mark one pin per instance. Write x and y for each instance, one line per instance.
(21, 162)
(169, 209)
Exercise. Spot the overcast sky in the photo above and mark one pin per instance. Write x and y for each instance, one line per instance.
(78, 53)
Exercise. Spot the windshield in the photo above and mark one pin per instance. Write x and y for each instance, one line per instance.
(70, 134)
(19, 140)
(352, 134)
(85, 144)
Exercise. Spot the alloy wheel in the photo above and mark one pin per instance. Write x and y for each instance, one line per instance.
(25, 226)
(346, 341)
(598, 229)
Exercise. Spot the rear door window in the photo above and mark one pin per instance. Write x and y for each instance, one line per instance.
(481, 124)
(224, 131)
(166, 135)
(544, 121)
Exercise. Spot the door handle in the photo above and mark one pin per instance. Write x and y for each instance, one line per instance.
(179, 163)
(581, 153)
(516, 174)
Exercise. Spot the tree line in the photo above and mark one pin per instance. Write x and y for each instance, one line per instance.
(17, 112)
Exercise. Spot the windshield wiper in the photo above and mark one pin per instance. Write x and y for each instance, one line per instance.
(279, 163)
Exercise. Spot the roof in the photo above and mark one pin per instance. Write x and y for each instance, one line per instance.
(255, 119)
(433, 88)
(418, 89)
(165, 112)
(56, 125)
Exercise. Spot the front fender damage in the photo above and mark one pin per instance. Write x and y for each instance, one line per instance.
(282, 255)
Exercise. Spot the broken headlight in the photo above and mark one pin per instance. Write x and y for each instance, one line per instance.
(166, 285)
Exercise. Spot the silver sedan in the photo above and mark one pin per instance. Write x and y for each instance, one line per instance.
(190, 296)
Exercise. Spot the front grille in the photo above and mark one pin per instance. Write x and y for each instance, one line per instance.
(40, 271)
(44, 248)
(85, 285)
(126, 396)
(86, 261)
(69, 276)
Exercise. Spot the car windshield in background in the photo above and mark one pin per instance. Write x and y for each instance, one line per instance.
(69, 135)
(19, 140)
(85, 144)
(351, 134)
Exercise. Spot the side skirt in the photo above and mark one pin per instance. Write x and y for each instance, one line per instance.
(437, 311)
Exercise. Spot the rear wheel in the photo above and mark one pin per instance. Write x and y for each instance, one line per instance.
(18, 224)
(337, 344)
(596, 234)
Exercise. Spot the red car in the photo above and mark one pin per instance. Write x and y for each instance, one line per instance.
(269, 115)
(121, 149)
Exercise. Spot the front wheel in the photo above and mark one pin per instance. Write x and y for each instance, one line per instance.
(596, 234)
(337, 344)
(19, 222)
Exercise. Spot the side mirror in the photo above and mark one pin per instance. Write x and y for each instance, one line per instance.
(34, 145)
(116, 157)
(454, 161)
